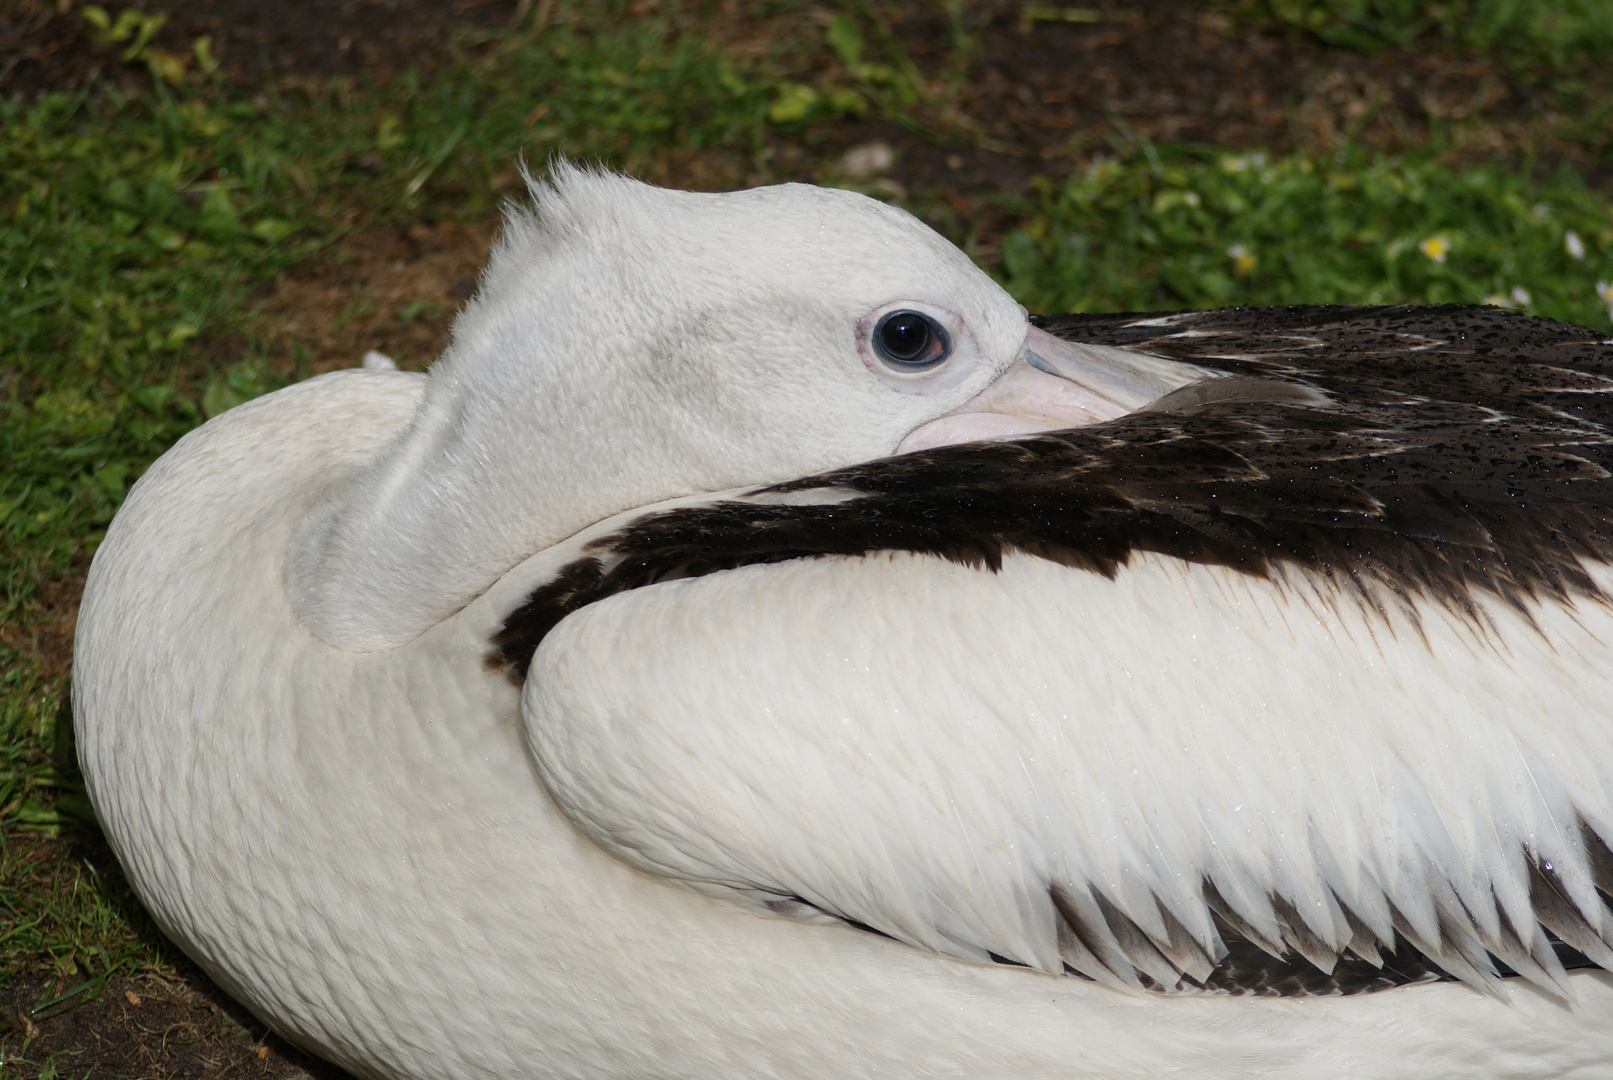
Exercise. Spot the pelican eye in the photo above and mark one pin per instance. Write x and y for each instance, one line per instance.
(911, 341)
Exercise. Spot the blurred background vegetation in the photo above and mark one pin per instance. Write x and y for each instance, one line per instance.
(194, 210)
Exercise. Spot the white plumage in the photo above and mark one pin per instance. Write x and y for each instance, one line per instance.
(658, 850)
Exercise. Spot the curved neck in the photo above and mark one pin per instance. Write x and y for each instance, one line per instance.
(472, 486)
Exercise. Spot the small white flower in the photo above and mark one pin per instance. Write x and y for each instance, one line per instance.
(1436, 248)
(1605, 290)
(1574, 245)
(1520, 296)
(1244, 261)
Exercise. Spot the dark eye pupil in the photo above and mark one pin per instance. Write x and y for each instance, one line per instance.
(905, 335)
(910, 341)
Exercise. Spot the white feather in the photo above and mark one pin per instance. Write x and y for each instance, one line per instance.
(946, 744)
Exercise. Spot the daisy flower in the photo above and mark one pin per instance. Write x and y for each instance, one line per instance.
(1436, 248)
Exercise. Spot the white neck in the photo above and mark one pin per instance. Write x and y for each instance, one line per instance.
(472, 486)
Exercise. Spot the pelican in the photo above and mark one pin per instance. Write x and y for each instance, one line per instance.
(756, 648)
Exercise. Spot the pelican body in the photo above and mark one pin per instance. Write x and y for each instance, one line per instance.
(755, 649)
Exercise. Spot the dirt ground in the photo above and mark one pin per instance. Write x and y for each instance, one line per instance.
(150, 1025)
(1039, 97)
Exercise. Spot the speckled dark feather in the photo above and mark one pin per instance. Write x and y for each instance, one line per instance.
(1394, 454)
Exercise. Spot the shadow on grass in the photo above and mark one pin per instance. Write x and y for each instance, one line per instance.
(110, 1016)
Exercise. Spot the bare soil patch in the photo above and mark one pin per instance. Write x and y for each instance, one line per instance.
(47, 637)
(171, 1023)
(392, 290)
(147, 1026)
(48, 45)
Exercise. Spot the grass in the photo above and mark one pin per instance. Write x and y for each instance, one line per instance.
(1553, 37)
(134, 229)
(1193, 227)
